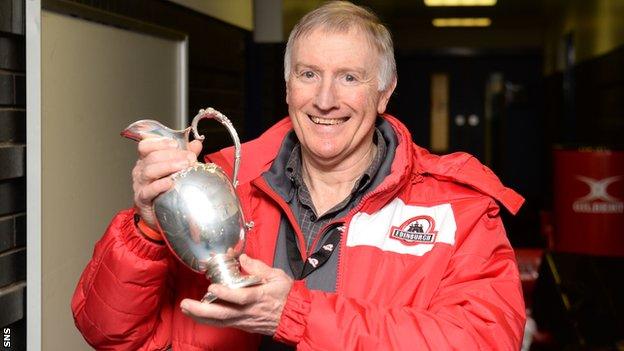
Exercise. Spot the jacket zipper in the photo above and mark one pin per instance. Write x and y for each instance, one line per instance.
(262, 185)
(343, 239)
(348, 218)
(321, 233)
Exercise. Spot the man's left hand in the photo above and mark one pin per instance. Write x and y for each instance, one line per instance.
(255, 309)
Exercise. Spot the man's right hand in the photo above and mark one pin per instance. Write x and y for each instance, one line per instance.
(158, 159)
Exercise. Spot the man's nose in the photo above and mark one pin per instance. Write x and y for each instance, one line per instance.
(326, 98)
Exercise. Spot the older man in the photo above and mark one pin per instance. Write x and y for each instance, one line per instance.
(375, 243)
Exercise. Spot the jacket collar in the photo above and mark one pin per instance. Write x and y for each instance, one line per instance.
(257, 155)
(410, 161)
(463, 168)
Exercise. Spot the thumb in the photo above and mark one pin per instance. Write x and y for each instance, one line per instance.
(195, 146)
(254, 267)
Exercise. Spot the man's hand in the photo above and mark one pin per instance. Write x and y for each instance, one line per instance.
(255, 309)
(158, 159)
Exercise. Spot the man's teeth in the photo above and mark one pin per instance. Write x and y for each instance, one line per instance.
(327, 121)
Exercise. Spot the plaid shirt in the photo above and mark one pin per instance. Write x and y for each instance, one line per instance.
(302, 205)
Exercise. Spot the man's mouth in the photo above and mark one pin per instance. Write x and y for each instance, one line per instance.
(327, 121)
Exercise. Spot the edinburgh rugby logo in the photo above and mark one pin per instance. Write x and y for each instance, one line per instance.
(598, 200)
(416, 230)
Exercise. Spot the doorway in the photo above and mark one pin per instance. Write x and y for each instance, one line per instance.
(494, 106)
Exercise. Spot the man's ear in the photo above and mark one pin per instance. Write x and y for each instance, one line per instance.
(385, 96)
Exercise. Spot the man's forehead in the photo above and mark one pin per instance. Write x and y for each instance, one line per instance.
(356, 33)
(351, 45)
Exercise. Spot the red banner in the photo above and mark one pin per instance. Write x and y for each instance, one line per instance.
(589, 201)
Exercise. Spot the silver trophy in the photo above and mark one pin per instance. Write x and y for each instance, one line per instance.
(200, 216)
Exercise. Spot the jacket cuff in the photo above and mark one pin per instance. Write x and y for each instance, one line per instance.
(139, 244)
(294, 315)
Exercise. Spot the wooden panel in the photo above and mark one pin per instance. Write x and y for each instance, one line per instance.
(439, 112)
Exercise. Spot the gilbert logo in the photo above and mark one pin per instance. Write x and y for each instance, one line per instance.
(416, 230)
(598, 200)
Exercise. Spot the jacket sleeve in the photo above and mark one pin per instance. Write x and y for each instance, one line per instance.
(478, 306)
(122, 301)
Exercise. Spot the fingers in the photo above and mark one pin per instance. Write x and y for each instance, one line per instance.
(197, 308)
(254, 267)
(196, 147)
(215, 314)
(158, 158)
(149, 145)
(169, 155)
(240, 296)
(255, 309)
(146, 194)
(154, 149)
(155, 171)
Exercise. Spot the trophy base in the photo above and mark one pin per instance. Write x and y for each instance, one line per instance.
(226, 271)
(245, 281)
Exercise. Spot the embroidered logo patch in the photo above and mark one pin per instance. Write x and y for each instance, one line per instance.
(416, 230)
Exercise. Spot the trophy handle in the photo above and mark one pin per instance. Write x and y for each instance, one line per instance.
(214, 114)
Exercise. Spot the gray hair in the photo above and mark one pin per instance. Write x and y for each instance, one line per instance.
(340, 17)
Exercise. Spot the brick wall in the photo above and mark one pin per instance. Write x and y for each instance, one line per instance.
(12, 173)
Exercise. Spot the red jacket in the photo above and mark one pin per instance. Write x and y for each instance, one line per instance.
(424, 264)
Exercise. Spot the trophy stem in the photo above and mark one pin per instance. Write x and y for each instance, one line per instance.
(226, 270)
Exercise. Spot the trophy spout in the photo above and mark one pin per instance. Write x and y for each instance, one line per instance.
(214, 114)
(148, 128)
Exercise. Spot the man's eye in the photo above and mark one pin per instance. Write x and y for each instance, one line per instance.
(308, 74)
(350, 78)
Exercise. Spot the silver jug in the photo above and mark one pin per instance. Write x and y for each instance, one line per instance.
(200, 216)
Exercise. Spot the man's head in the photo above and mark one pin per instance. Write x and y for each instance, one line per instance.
(340, 17)
(340, 73)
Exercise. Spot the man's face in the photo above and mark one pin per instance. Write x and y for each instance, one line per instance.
(332, 95)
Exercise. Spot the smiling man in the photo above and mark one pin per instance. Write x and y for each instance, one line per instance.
(363, 239)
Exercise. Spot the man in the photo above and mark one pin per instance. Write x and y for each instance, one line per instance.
(376, 244)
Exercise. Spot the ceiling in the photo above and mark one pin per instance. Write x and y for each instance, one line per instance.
(504, 13)
(515, 23)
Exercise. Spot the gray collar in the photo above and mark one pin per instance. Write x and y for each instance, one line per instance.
(279, 181)
(293, 169)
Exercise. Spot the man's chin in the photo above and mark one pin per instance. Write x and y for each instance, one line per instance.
(325, 155)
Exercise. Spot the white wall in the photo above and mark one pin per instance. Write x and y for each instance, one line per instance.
(95, 80)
